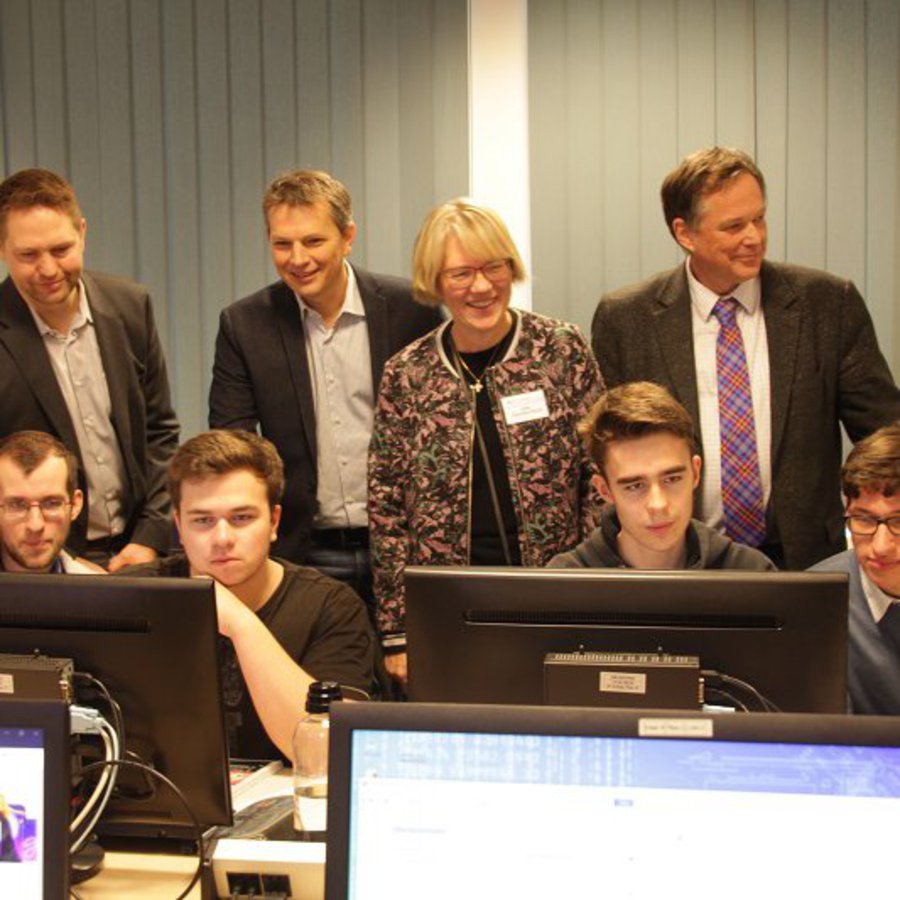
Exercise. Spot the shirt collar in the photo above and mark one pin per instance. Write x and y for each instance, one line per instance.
(352, 305)
(878, 600)
(703, 299)
(82, 316)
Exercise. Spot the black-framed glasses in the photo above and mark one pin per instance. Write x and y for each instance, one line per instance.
(866, 526)
(16, 509)
(496, 271)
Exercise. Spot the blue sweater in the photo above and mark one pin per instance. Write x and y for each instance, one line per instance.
(874, 647)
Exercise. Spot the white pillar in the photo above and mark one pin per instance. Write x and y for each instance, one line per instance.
(498, 119)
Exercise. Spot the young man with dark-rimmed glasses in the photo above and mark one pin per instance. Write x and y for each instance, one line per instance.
(870, 479)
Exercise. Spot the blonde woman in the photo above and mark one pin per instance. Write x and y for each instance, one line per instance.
(475, 458)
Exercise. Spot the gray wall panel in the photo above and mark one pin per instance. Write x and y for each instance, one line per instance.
(170, 116)
(19, 142)
(810, 87)
(49, 85)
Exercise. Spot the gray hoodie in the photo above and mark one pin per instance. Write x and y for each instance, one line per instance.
(706, 549)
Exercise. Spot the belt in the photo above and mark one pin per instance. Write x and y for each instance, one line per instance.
(344, 538)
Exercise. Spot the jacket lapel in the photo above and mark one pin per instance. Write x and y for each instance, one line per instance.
(290, 326)
(672, 320)
(375, 306)
(782, 316)
(24, 344)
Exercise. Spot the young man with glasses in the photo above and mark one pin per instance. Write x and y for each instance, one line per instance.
(39, 500)
(870, 480)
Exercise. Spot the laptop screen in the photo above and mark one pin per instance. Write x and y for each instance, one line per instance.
(33, 799)
(672, 809)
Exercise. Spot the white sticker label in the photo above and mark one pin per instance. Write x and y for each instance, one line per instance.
(623, 683)
(662, 728)
(525, 407)
(7, 684)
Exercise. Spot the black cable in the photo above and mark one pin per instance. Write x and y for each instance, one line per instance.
(731, 698)
(711, 675)
(198, 831)
(118, 719)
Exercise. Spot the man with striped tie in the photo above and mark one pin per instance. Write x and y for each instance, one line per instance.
(769, 359)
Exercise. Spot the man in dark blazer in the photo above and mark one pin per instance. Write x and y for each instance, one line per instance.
(301, 360)
(811, 351)
(80, 358)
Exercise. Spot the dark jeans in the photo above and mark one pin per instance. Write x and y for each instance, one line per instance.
(348, 564)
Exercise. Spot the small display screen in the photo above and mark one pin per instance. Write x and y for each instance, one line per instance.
(22, 760)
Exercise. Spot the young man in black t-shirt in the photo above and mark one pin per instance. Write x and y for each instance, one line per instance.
(286, 625)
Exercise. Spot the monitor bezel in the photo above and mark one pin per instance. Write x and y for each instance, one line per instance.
(72, 616)
(454, 662)
(52, 718)
(482, 718)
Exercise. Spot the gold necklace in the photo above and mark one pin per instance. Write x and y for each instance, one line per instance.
(476, 384)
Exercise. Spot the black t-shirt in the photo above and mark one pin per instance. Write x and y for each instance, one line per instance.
(487, 549)
(322, 625)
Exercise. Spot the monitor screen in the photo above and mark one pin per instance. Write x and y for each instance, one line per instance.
(153, 643)
(480, 635)
(446, 801)
(34, 795)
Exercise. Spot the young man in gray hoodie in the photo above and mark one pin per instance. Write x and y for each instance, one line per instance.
(642, 441)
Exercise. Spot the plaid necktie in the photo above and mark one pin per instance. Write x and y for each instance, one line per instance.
(742, 497)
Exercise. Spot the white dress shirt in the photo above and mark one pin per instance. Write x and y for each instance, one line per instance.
(879, 602)
(340, 366)
(705, 325)
(78, 368)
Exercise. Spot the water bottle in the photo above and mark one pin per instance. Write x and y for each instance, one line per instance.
(310, 745)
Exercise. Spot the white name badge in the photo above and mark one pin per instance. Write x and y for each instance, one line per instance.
(524, 407)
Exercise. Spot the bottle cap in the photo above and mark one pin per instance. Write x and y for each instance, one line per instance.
(321, 694)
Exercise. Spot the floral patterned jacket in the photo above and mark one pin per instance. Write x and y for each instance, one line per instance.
(420, 458)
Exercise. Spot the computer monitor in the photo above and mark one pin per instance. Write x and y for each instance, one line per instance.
(480, 635)
(445, 801)
(34, 798)
(153, 643)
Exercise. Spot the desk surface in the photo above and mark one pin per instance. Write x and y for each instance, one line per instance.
(144, 875)
(163, 876)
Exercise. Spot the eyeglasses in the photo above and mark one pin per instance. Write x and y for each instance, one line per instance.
(868, 525)
(496, 271)
(18, 509)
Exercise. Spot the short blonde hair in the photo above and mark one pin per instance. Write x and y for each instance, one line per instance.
(479, 229)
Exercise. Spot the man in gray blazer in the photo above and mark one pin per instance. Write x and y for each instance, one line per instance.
(80, 359)
(812, 361)
(301, 360)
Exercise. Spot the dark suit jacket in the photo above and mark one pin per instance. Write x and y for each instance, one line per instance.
(142, 413)
(261, 378)
(825, 369)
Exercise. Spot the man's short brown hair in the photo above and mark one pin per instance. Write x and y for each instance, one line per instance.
(873, 465)
(700, 174)
(630, 411)
(222, 452)
(304, 187)
(29, 449)
(37, 187)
